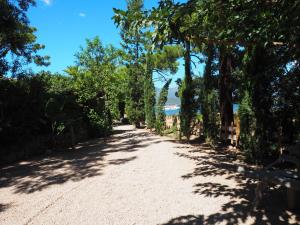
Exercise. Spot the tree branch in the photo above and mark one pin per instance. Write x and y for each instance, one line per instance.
(160, 73)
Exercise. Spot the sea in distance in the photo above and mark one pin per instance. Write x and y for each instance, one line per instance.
(174, 109)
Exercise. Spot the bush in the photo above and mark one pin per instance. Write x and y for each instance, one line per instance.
(44, 111)
(99, 124)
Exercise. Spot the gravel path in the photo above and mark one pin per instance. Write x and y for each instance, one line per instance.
(134, 177)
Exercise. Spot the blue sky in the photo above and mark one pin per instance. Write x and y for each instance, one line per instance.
(64, 25)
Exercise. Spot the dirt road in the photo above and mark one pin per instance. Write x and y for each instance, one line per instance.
(134, 177)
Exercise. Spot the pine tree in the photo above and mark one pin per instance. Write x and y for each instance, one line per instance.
(133, 40)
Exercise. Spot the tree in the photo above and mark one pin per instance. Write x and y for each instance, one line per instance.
(172, 25)
(131, 24)
(226, 104)
(149, 94)
(188, 105)
(98, 83)
(162, 62)
(17, 38)
(209, 97)
(61, 107)
(263, 34)
(161, 115)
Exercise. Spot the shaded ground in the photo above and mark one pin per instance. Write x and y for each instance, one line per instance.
(135, 177)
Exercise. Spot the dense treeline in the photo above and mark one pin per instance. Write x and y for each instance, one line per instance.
(251, 53)
(142, 61)
(50, 111)
(45, 110)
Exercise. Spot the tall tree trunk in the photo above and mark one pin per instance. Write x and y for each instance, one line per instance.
(226, 106)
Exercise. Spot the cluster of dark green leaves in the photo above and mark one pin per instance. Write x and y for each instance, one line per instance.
(17, 40)
(61, 109)
(208, 96)
(149, 94)
(98, 79)
(37, 112)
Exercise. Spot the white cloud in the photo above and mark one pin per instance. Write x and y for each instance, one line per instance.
(47, 2)
(82, 14)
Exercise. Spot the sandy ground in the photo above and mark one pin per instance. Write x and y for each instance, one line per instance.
(135, 177)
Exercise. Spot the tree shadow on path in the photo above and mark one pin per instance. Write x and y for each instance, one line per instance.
(222, 164)
(87, 160)
(4, 207)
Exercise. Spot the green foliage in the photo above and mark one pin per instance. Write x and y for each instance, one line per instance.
(211, 117)
(161, 62)
(288, 104)
(64, 109)
(149, 94)
(135, 95)
(116, 92)
(100, 124)
(17, 40)
(171, 25)
(99, 85)
(247, 126)
(132, 24)
(266, 35)
(61, 108)
(47, 107)
(160, 113)
(209, 98)
(133, 41)
(165, 59)
(22, 109)
(252, 57)
(259, 124)
(36, 112)
(143, 60)
(187, 98)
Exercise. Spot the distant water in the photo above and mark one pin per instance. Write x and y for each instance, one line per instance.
(171, 112)
(235, 108)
